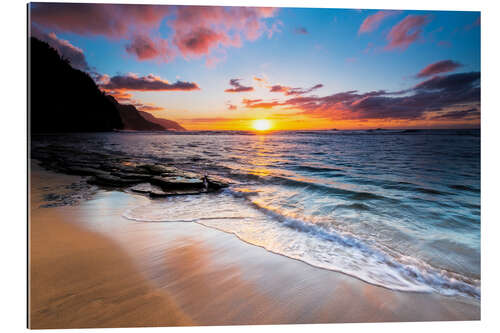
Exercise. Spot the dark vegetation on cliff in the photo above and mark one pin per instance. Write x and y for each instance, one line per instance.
(64, 99)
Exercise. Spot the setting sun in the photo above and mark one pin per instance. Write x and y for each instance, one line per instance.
(261, 124)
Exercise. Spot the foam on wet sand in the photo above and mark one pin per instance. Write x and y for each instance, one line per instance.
(91, 267)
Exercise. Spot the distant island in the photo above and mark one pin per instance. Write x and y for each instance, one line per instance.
(65, 99)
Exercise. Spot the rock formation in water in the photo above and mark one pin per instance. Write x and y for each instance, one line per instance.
(118, 171)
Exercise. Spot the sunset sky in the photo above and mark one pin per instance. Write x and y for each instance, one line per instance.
(224, 67)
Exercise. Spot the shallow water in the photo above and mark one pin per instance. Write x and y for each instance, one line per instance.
(399, 209)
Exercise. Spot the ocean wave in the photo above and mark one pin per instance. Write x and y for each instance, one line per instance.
(317, 244)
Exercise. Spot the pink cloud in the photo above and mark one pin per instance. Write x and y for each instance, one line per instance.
(406, 31)
(439, 67)
(373, 21)
(197, 30)
(144, 48)
(111, 20)
(201, 41)
(200, 29)
(259, 104)
(231, 107)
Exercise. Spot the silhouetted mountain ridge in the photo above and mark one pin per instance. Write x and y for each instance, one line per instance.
(65, 99)
(131, 118)
(167, 124)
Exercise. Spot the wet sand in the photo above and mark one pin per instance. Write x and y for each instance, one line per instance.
(90, 267)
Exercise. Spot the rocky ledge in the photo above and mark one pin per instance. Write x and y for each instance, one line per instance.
(115, 171)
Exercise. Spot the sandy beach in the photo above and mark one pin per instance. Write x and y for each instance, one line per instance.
(91, 267)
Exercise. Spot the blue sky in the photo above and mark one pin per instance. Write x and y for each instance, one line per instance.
(290, 47)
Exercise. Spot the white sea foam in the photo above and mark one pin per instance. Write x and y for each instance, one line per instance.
(308, 242)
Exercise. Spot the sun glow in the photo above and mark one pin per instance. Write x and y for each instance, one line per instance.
(261, 125)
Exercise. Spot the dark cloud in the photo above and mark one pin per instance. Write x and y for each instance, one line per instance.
(301, 31)
(237, 87)
(438, 94)
(132, 82)
(458, 115)
(406, 31)
(293, 91)
(443, 66)
(452, 82)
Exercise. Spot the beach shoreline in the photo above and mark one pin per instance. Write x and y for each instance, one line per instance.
(91, 267)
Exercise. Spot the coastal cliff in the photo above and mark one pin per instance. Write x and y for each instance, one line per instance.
(63, 99)
(132, 119)
(167, 124)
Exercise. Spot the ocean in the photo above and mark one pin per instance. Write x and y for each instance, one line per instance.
(396, 208)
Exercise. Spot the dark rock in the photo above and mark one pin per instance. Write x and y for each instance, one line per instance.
(131, 175)
(157, 192)
(177, 182)
(112, 181)
(117, 171)
(158, 169)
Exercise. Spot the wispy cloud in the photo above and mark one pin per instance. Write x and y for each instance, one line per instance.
(406, 31)
(293, 91)
(373, 21)
(443, 66)
(259, 104)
